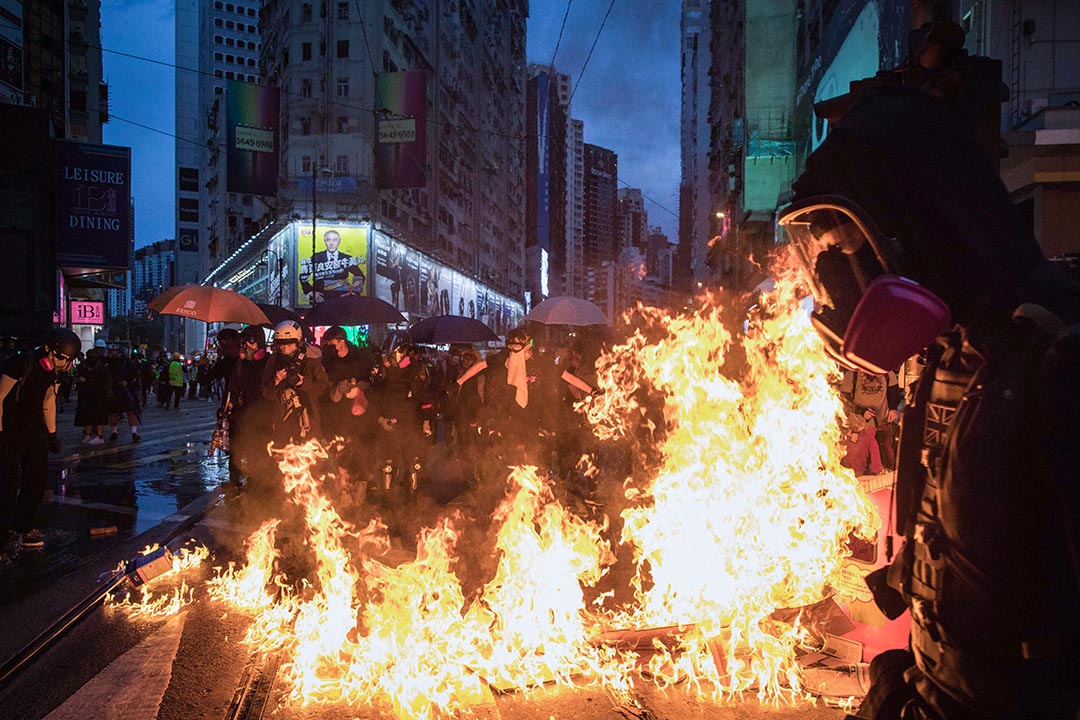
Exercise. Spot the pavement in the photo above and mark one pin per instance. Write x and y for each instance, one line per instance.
(110, 501)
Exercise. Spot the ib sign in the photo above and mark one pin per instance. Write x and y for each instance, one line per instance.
(87, 313)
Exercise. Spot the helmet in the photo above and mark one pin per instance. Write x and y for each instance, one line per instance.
(517, 339)
(255, 334)
(63, 341)
(176, 356)
(99, 343)
(288, 330)
(397, 345)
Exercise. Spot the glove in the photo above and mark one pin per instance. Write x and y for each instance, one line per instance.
(54, 443)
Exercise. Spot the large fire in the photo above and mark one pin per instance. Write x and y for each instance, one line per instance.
(742, 512)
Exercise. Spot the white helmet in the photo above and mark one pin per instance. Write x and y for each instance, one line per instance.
(288, 330)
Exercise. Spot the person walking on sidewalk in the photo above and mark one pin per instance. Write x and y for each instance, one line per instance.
(124, 393)
(92, 408)
(176, 380)
(28, 387)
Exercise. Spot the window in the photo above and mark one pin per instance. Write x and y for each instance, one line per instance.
(250, 45)
(343, 11)
(305, 51)
(218, 73)
(218, 22)
(322, 48)
(219, 5)
(251, 12)
(341, 167)
(251, 62)
(343, 48)
(343, 123)
(218, 39)
(229, 7)
(305, 87)
(230, 24)
(229, 58)
(229, 41)
(305, 165)
(305, 126)
(305, 15)
(343, 87)
(219, 56)
(230, 75)
(251, 28)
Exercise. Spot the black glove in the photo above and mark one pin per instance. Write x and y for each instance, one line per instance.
(54, 443)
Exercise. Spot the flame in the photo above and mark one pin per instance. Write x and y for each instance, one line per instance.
(143, 603)
(750, 507)
(247, 588)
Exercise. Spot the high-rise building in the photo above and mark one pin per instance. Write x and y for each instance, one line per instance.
(216, 42)
(633, 221)
(546, 183)
(151, 273)
(695, 197)
(574, 284)
(463, 200)
(601, 199)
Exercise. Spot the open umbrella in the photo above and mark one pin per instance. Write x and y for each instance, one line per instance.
(276, 313)
(565, 310)
(353, 310)
(209, 304)
(443, 329)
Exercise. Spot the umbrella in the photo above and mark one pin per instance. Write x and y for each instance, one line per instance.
(209, 304)
(443, 329)
(276, 313)
(353, 310)
(566, 310)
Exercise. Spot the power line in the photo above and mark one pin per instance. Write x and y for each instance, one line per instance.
(589, 56)
(559, 40)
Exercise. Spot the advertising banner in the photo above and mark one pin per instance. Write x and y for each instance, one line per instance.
(339, 266)
(94, 206)
(401, 150)
(11, 43)
(252, 113)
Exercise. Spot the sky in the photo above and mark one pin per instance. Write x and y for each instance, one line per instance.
(627, 96)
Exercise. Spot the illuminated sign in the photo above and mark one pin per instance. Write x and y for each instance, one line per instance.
(544, 273)
(87, 313)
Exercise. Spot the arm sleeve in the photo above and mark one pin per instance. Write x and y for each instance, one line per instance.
(48, 409)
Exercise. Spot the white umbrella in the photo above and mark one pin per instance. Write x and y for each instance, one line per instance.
(566, 310)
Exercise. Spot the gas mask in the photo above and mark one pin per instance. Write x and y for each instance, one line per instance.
(870, 316)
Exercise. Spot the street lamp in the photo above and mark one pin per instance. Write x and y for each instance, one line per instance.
(315, 174)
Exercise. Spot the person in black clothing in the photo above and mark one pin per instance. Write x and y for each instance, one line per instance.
(401, 391)
(294, 378)
(124, 393)
(92, 405)
(911, 245)
(28, 424)
(250, 414)
(228, 342)
(346, 407)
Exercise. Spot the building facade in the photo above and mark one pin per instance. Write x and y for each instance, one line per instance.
(695, 196)
(632, 219)
(601, 175)
(547, 193)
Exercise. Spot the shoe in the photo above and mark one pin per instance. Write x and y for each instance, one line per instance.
(135, 438)
(113, 437)
(33, 539)
(86, 439)
(96, 440)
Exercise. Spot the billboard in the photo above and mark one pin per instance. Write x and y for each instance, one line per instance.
(401, 109)
(251, 113)
(421, 287)
(94, 206)
(338, 267)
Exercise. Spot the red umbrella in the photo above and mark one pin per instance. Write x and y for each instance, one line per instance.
(209, 304)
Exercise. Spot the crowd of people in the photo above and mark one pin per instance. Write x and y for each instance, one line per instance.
(383, 409)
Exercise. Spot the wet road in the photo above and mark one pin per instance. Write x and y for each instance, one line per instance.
(191, 665)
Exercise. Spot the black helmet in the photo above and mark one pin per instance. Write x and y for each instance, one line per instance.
(397, 345)
(519, 337)
(64, 341)
(255, 334)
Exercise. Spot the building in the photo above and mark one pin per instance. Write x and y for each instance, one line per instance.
(695, 131)
(152, 273)
(601, 176)
(660, 258)
(546, 195)
(1039, 46)
(216, 43)
(574, 284)
(119, 300)
(633, 221)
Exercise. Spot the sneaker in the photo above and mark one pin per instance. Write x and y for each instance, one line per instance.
(113, 437)
(85, 439)
(96, 440)
(33, 539)
(135, 438)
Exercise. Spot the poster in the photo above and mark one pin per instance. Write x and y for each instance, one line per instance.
(338, 267)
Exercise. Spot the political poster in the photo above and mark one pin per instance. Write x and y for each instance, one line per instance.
(334, 266)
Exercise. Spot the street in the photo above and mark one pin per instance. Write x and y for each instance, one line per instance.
(109, 502)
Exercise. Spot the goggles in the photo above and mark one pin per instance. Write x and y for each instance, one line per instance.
(870, 316)
(62, 357)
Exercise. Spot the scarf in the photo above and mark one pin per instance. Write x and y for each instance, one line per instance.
(515, 375)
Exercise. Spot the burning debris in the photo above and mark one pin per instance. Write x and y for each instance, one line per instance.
(743, 511)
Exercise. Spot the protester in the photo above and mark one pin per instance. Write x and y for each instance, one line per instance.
(294, 378)
(124, 393)
(92, 405)
(402, 391)
(346, 406)
(176, 380)
(987, 493)
(28, 386)
(250, 414)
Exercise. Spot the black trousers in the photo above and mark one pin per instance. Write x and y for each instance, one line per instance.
(26, 475)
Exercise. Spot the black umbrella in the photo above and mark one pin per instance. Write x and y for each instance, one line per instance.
(353, 310)
(276, 313)
(443, 329)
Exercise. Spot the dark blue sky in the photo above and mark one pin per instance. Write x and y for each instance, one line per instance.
(628, 95)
